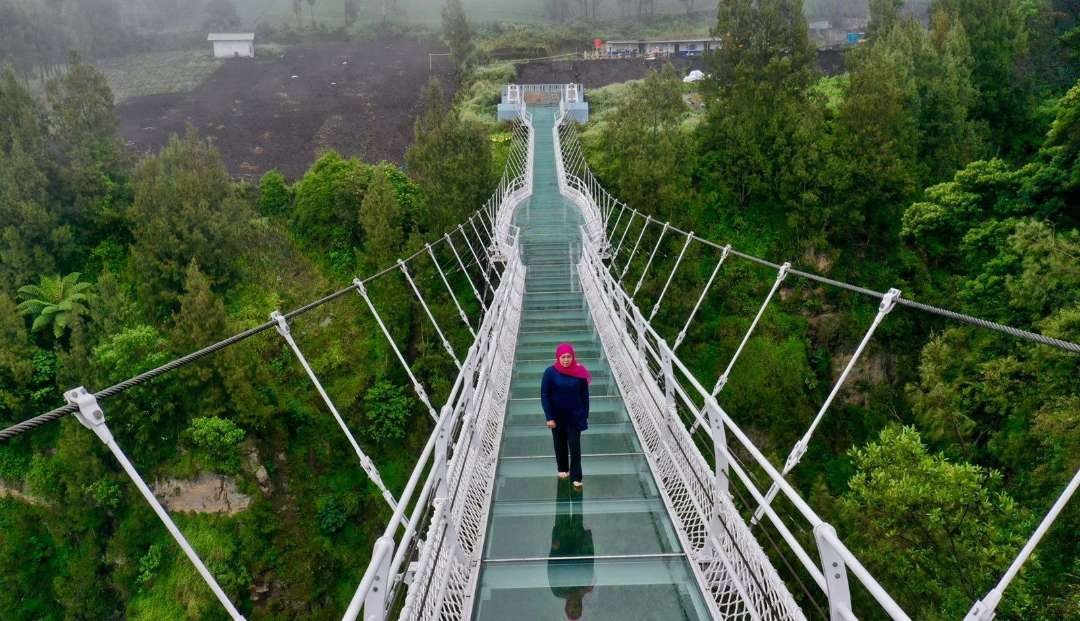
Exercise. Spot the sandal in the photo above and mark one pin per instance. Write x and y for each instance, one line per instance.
(564, 475)
(577, 484)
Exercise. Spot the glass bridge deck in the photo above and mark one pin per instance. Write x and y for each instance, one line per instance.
(608, 551)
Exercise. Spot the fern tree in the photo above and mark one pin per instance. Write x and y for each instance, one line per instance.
(55, 302)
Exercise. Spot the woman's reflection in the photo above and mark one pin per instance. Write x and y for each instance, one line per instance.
(570, 579)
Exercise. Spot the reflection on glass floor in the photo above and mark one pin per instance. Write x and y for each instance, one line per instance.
(608, 551)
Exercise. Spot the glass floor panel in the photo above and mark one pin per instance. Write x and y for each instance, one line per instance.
(606, 477)
(597, 439)
(615, 589)
(573, 526)
(608, 550)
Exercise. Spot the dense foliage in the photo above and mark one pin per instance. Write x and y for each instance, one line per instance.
(110, 267)
(936, 164)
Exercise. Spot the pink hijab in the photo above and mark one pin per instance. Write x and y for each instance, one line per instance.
(576, 369)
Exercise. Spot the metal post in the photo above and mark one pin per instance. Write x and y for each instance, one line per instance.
(375, 602)
(91, 416)
(427, 311)
(365, 462)
(719, 438)
(671, 276)
(417, 386)
(797, 451)
(835, 572)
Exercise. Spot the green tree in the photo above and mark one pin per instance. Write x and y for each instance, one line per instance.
(381, 220)
(938, 533)
(451, 160)
(184, 210)
(457, 35)
(387, 410)
(16, 360)
(200, 321)
(56, 302)
(652, 169)
(274, 194)
(1001, 34)
(877, 141)
(28, 230)
(760, 139)
(326, 211)
(218, 439)
(82, 134)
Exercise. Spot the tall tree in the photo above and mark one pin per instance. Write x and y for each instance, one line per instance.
(183, 209)
(451, 160)
(939, 533)
(381, 219)
(877, 143)
(652, 169)
(1001, 34)
(82, 133)
(457, 35)
(28, 230)
(328, 200)
(760, 137)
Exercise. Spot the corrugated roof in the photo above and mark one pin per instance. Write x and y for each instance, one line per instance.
(231, 36)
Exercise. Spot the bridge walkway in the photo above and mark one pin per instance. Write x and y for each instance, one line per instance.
(608, 551)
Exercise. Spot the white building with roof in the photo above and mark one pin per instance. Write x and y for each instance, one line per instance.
(233, 44)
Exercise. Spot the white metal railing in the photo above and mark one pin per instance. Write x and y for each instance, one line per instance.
(517, 180)
(451, 484)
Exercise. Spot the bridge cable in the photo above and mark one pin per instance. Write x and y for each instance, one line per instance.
(365, 462)
(648, 264)
(450, 290)
(704, 291)
(723, 379)
(671, 276)
(427, 311)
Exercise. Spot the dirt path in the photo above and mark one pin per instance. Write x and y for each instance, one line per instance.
(358, 98)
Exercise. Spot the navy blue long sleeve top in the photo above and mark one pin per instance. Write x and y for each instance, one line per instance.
(565, 399)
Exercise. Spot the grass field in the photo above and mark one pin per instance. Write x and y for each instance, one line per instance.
(156, 73)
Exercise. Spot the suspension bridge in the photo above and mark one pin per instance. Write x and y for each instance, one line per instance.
(679, 517)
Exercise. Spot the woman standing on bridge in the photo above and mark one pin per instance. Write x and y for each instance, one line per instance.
(564, 394)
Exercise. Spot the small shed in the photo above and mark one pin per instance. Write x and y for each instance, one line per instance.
(233, 44)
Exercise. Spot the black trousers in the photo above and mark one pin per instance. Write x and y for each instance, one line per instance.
(568, 449)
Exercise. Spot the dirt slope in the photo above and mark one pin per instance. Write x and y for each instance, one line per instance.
(358, 98)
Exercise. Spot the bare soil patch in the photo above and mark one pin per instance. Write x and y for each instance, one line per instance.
(359, 98)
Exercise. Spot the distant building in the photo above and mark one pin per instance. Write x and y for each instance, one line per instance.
(660, 47)
(837, 32)
(233, 44)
